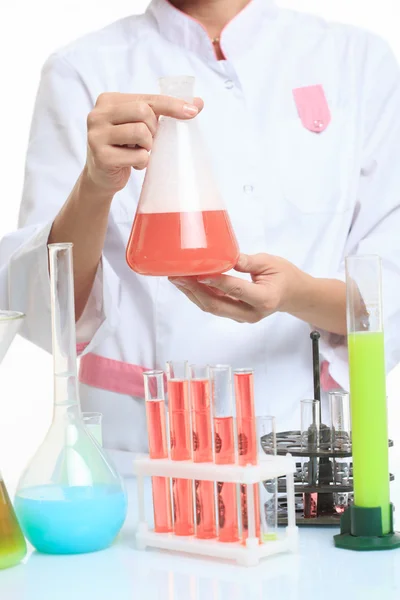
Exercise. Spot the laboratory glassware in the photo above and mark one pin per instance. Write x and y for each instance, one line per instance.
(70, 499)
(202, 440)
(266, 437)
(181, 226)
(158, 447)
(181, 444)
(225, 450)
(247, 440)
(93, 423)
(12, 541)
(339, 408)
(310, 419)
(368, 385)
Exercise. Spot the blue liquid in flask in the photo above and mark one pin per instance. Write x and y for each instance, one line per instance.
(71, 520)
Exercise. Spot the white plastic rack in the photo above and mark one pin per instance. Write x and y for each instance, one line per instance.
(248, 554)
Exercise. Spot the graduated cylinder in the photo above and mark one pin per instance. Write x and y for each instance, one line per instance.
(368, 385)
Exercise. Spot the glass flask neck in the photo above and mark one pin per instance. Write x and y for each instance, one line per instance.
(63, 325)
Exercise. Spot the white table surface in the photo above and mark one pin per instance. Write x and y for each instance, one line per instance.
(319, 571)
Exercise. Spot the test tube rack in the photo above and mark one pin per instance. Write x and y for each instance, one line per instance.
(248, 554)
(290, 441)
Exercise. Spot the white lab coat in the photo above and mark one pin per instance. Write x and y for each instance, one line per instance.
(310, 182)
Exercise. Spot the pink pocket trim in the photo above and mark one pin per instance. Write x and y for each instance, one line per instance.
(313, 107)
(112, 375)
(327, 382)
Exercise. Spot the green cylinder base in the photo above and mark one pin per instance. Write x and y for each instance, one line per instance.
(361, 530)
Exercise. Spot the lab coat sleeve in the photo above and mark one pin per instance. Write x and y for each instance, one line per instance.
(55, 157)
(376, 222)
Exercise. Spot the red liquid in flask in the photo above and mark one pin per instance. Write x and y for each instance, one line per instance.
(156, 426)
(182, 243)
(182, 489)
(247, 442)
(203, 452)
(227, 502)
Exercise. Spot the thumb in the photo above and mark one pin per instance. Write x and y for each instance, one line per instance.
(253, 263)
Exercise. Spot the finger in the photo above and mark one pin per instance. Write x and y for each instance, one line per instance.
(255, 264)
(133, 112)
(132, 134)
(159, 103)
(246, 291)
(219, 306)
(111, 157)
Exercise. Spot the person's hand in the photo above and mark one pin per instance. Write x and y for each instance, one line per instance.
(121, 128)
(277, 285)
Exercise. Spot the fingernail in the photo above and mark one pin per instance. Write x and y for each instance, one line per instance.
(205, 281)
(190, 110)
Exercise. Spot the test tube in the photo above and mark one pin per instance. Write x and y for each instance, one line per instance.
(202, 449)
(225, 450)
(93, 423)
(181, 446)
(158, 447)
(247, 441)
(339, 407)
(368, 386)
(310, 437)
(266, 435)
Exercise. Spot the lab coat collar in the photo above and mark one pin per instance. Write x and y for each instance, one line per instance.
(237, 36)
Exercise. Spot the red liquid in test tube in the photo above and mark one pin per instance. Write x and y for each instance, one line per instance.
(202, 450)
(181, 446)
(247, 440)
(225, 453)
(158, 448)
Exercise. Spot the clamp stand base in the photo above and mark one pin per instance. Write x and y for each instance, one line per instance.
(361, 530)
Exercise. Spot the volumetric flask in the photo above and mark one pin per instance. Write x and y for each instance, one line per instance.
(70, 499)
(12, 541)
(93, 423)
(181, 226)
(266, 435)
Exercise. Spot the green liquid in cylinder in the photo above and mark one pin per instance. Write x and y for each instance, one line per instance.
(12, 542)
(369, 423)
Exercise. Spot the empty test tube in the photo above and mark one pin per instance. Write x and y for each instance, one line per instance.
(266, 435)
(202, 449)
(339, 405)
(181, 444)
(225, 450)
(247, 440)
(158, 447)
(310, 439)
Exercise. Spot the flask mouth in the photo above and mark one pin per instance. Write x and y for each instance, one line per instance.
(178, 86)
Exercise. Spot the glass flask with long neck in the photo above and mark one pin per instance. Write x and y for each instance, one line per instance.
(181, 226)
(70, 499)
(12, 541)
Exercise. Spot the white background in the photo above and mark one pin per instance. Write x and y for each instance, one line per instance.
(29, 31)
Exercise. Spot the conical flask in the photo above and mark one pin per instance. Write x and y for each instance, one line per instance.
(181, 226)
(12, 541)
(70, 499)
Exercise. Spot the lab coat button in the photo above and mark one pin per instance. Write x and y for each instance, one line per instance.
(248, 189)
(318, 124)
(229, 84)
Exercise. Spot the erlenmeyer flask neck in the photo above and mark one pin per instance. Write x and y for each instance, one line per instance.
(178, 87)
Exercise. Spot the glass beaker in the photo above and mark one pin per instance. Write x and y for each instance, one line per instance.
(12, 541)
(70, 499)
(181, 226)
